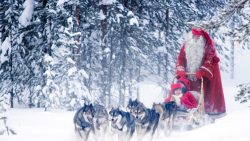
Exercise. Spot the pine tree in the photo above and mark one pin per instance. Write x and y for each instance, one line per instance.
(117, 43)
(65, 80)
(10, 37)
(243, 95)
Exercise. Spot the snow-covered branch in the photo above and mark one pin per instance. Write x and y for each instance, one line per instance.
(223, 16)
(243, 95)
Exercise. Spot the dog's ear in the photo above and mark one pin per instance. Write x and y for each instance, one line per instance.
(153, 105)
(130, 100)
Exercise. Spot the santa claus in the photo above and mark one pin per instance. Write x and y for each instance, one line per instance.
(198, 56)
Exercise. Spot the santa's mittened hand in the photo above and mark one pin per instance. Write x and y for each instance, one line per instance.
(198, 75)
(181, 73)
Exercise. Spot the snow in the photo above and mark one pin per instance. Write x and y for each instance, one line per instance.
(246, 10)
(130, 13)
(102, 15)
(38, 125)
(70, 60)
(145, 22)
(72, 71)
(26, 16)
(107, 50)
(84, 73)
(60, 2)
(133, 21)
(118, 16)
(5, 50)
(107, 2)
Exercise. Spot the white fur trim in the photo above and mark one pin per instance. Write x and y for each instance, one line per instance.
(180, 68)
(207, 70)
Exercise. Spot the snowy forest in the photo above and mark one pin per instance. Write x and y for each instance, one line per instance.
(62, 53)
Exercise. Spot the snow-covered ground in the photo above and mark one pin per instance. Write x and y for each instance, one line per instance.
(38, 125)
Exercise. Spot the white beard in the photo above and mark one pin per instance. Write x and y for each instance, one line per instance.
(194, 50)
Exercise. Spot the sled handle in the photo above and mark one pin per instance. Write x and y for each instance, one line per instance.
(189, 73)
(200, 106)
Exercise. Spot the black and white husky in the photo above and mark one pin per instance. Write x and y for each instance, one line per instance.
(122, 123)
(146, 120)
(83, 121)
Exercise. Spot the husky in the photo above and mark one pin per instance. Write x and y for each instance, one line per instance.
(122, 123)
(167, 113)
(83, 121)
(101, 121)
(146, 120)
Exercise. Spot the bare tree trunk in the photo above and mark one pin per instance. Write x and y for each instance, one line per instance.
(138, 81)
(110, 76)
(12, 80)
(232, 61)
(104, 58)
(11, 65)
(130, 85)
(0, 38)
(166, 42)
(123, 78)
(78, 21)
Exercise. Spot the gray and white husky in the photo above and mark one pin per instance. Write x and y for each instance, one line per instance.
(101, 122)
(146, 120)
(122, 124)
(83, 121)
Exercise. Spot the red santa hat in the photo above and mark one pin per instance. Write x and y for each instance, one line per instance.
(175, 86)
(204, 34)
(185, 81)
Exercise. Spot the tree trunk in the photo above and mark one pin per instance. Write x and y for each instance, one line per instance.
(166, 42)
(138, 81)
(130, 85)
(232, 61)
(104, 76)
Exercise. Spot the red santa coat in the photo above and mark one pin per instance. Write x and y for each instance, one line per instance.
(187, 99)
(213, 93)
